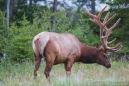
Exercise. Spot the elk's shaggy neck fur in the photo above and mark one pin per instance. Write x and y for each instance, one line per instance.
(88, 54)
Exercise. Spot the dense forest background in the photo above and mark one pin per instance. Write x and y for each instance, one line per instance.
(21, 20)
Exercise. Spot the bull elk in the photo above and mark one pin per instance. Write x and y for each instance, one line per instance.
(58, 48)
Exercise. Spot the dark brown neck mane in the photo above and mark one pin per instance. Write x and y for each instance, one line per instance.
(88, 54)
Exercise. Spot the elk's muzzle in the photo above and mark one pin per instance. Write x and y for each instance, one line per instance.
(108, 65)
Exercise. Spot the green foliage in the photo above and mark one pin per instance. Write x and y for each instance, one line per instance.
(41, 22)
(3, 32)
(2, 3)
(20, 48)
(19, 41)
(93, 39)
(63, 23)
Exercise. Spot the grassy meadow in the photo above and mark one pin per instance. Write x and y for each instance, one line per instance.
(82, 75)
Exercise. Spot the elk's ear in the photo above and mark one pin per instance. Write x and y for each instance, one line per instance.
(97, 45)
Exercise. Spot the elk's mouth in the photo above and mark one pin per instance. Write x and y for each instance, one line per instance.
(108, 65)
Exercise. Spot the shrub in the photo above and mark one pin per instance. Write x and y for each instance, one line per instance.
(19, 41)
(3, 32)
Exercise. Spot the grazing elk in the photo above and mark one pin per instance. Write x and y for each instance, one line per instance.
(58, 48)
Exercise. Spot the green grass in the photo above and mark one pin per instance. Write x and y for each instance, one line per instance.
(81, 75)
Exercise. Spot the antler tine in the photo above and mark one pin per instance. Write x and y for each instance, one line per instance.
(90, 14)
(105, 43)
(96, 17)
(111, 41)
(100, 13)
(109, 20)
(118, 45)
(115, 49)
(106, 17)
(115, 24)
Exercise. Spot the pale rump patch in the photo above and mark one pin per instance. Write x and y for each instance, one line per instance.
(40, 42)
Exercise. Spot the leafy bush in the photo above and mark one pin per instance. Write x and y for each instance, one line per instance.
(3, 32)
(19, 41)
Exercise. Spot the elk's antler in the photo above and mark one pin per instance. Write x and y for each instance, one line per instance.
(103, 28)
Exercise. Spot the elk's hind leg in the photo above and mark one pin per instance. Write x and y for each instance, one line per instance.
(49, 63)
(37, 59)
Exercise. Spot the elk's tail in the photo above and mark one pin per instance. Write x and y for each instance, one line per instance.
(39, 45)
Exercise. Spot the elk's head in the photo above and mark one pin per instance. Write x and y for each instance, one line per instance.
(101, 57)
(105, 32)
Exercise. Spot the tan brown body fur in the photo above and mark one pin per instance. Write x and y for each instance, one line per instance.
(58, 48)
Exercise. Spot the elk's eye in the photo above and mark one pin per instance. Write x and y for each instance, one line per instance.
(103, 55)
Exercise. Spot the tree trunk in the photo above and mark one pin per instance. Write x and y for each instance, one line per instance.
(93, 6)
(54, 5)
(54, 8)
(30, 3)
(8, 12)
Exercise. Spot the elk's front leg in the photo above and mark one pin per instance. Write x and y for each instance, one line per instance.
(68, 66)
(37, 59)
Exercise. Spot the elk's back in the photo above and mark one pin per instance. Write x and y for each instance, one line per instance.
(63, 46)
